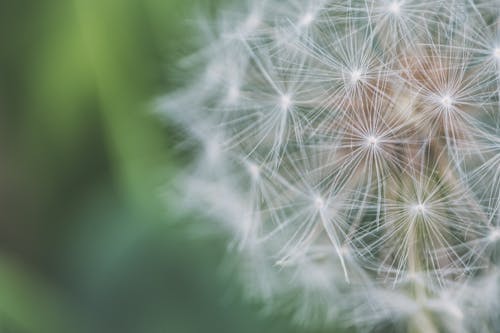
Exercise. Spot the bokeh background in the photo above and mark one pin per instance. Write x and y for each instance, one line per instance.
(88, 243)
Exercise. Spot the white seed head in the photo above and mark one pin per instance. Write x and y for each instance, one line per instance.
(352, 147)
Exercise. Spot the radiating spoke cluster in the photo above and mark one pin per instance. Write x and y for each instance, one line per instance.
(353, 147)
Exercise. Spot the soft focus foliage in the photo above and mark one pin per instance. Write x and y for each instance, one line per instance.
(87, 241)
(352, 149)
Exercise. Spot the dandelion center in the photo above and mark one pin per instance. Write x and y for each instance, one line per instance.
(446, 101)
(233, 94)
(495, 235)
(355, 76)
(254, 170)
(419, 208)
(496, 52)
(306, 19)
(252, 22)
(372, 141)
(319, 203)
(395, 8)
(285, 102)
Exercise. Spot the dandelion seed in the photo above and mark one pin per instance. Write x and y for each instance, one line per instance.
(213, 151)
(446, 101)
(307, 19)
(395, 8)
(494, 235)
(251, 23)
(254, 170)
(496, 53)
(420, 208)
(233, 94)
(355, 76)
(285, 102)
(319, 203)
(447, 306)
(372, 141)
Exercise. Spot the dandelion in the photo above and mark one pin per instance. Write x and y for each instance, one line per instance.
(352, 149)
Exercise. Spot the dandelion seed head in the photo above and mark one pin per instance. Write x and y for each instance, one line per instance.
(351, 148)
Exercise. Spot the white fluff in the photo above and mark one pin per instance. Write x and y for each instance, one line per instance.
(352, 149)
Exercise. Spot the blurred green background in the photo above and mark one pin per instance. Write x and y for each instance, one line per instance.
(87, 244)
